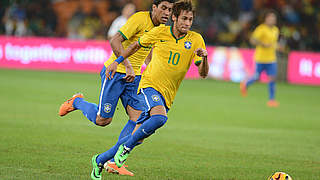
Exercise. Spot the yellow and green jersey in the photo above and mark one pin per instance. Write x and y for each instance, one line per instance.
(171, 59)
(135, 27)
(266, 35)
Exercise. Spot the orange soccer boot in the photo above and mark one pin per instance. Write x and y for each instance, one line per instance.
(111, 167)
(273, 103)
(243, 88)
(67, 106)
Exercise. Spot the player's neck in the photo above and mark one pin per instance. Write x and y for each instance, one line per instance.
(269, 25)
(177, 33)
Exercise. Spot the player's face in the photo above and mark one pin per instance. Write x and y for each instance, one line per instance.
(163, 11)
(184, 21)
(271, 19)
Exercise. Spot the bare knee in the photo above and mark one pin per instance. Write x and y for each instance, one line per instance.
(100, 121)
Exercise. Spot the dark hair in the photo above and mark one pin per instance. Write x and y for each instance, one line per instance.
(268, 12)
(157, 2)
(182, 5)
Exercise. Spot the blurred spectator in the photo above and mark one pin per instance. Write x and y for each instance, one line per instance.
(127, 11)
(14, 21)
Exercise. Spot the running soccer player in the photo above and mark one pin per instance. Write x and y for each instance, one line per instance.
(265, 38)
(174, 49)
(125, 82)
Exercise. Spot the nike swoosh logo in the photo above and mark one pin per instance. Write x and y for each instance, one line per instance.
(146, 31)
(94, 173)
(162, 41)
(144, 132)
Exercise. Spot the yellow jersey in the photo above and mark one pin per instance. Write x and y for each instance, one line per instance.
(135, 27)
(171, 59)
(267, 35)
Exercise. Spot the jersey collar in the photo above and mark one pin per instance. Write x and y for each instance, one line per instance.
(171, 30)
(150, 14)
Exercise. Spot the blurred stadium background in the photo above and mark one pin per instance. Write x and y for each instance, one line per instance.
(223, 135)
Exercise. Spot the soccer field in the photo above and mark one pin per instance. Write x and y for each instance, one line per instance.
(212, 132)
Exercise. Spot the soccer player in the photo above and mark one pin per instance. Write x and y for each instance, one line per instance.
(125, 82)
(265, 38)
(174, 49)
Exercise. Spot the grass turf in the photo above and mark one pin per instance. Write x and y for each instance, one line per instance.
(212, 132)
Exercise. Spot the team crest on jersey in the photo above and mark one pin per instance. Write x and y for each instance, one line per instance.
(187, 44)
(155, 98)
(107, 107)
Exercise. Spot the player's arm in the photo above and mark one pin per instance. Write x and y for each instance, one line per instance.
(256, 36)
(146, 41)
(111, 69)
(148, 59)
(203, 66)
(117, 47)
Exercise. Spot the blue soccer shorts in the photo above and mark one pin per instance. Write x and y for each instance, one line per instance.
(270, 69)
(112, 90)
(150, 98)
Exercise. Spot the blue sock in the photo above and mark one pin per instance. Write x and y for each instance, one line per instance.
(104, 157)
(88, 109)
(146, 129)
(127, 129)
(251, 81)
(272, 89)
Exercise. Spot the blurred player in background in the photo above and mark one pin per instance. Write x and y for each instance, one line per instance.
(265, 38)
(127, 11)
(125, 81)
(174, 49)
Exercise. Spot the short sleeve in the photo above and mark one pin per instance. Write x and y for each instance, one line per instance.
(200, 44)
(132, 26)
(148, 39)
(257, 33)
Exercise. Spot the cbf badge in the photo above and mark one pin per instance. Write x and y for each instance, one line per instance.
(187, 44)
(155, 98)
(107, 107)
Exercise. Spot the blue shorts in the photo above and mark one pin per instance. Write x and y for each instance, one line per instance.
(150, 98)
(112, 90)
(271, 69)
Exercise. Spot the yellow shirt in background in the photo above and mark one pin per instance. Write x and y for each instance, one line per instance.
(266, 35)
(135, 27)
(171, 59)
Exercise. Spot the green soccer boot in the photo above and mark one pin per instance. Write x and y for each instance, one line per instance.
(121, 155)
(96, 168)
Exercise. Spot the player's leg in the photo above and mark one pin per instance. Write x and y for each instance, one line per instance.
(77, 102)
(272, 74)
(133, 104)
(245, 84)
(157, 118)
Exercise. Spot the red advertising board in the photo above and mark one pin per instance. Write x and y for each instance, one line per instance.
(232, 64)
(304, 68)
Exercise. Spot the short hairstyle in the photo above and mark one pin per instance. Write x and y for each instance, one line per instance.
(157, 2)
(268, 12)
(182, 5)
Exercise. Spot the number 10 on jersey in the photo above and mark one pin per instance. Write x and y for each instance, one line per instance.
(174, 59)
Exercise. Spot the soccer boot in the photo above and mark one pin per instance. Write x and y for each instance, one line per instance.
(243, 89)
(67, 106)
(96, 168)
(121, 155)
(273, 103)
(111, 167)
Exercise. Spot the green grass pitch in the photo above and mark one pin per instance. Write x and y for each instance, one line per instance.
(211, 133)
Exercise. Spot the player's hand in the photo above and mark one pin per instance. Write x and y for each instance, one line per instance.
(130, 75)
(201, 52)
(111, 70)
(266, 45)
